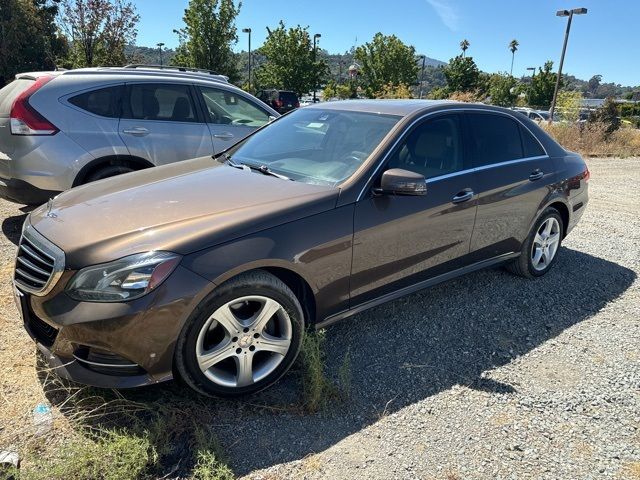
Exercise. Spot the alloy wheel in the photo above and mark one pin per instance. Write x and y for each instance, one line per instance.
(545, 244)
(244, 341)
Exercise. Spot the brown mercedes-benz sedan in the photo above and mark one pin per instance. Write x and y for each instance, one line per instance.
(211, 269)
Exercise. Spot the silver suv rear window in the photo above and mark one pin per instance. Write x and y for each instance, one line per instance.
(10, 92)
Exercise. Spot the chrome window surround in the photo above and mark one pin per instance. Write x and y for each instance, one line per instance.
(48, 249)
(453, 174)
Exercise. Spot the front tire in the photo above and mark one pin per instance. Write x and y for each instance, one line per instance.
(540, 249)
(242, 338)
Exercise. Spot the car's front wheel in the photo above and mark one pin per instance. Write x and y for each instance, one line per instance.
(242, 338)
(540, 249)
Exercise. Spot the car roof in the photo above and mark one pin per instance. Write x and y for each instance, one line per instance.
(136, 72)
(402, 107)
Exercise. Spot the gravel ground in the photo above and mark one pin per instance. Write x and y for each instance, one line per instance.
(488, 376)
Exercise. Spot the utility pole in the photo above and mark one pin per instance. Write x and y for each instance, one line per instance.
(563, 13)
(424, 57)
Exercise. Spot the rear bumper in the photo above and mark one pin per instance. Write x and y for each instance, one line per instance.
(19, 191)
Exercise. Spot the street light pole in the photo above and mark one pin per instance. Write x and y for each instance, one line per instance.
(563, 13)
(424, 57)
(315, 55)
(160, 45)
(248, 30)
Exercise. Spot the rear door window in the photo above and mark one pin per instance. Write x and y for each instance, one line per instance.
(158, 101)
(495, 139)
(532, 147)
(105, 102)
(289, 98)
(10, 92)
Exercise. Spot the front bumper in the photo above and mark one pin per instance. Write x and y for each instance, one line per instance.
(141, 333)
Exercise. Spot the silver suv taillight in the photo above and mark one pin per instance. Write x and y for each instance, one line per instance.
(26, 120)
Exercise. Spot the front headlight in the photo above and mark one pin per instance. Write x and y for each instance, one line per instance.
(124, 279)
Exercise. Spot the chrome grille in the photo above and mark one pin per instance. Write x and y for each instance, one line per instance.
(39, 263)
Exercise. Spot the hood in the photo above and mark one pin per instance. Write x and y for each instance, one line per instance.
(182, 208)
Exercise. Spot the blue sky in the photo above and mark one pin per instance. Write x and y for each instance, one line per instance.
(605, 41)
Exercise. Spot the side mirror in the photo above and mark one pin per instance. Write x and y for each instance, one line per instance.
(397, 181)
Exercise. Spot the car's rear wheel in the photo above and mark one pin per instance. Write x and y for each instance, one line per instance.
(242, 338)
(540, 249)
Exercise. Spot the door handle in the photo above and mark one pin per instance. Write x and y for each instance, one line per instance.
(224, 136)
(463, 196)
(137, 131)
(537, 174)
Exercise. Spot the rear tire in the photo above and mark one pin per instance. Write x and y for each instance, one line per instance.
(242, 338)
(540, 249)
(106, 172)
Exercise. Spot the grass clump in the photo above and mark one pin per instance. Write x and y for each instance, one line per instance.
(112, 455)
(208, 464)
(317, 388)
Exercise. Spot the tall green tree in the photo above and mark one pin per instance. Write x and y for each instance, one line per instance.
(384, 61)
(462, 74)
(98, 31)
(513, 46)
(464, 45)
(540, 90)
(290, 62)
(503, 89)
(29, 38)
(208, 36)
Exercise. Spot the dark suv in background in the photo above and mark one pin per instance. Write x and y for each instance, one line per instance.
(211, 269)
(282, 101)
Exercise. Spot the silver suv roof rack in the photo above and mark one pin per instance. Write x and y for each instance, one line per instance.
(173, 67)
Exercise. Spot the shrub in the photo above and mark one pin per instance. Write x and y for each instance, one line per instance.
(592, 139)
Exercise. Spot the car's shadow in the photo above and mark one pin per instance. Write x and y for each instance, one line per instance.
(410, 349)
(12, 226)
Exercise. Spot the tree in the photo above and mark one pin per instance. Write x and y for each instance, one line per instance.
(206, 40)
(290, 62)
(99, 30)
(462, 74)
(568, 105)
(391, 90)
(503, 89)
(29, 38)
(592, 85)
(513, 46)
(386, 60)
(540, 91)
(607, 114)
(464, 44)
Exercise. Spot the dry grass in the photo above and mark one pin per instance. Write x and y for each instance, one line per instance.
(591, 140)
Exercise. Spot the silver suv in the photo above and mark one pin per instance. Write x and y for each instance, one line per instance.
(63, 129)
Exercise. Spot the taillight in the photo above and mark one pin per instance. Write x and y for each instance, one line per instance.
(586, 175)
(278, 103)
(25, 120)
(297, 104)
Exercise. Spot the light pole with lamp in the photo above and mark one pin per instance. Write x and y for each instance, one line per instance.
(248, 31)
(424, 58)
(316, 36)
(160, 45)
(563, 13)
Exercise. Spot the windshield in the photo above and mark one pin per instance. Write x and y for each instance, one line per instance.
(315, 146)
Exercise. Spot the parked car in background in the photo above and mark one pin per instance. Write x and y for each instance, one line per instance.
(211, 269)
(282, 101)
(535, 115)
(63, 129)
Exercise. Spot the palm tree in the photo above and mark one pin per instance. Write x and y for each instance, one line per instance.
(513, 46)
(464, 44)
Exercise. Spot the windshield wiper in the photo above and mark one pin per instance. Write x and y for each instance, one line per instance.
(260, 168)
